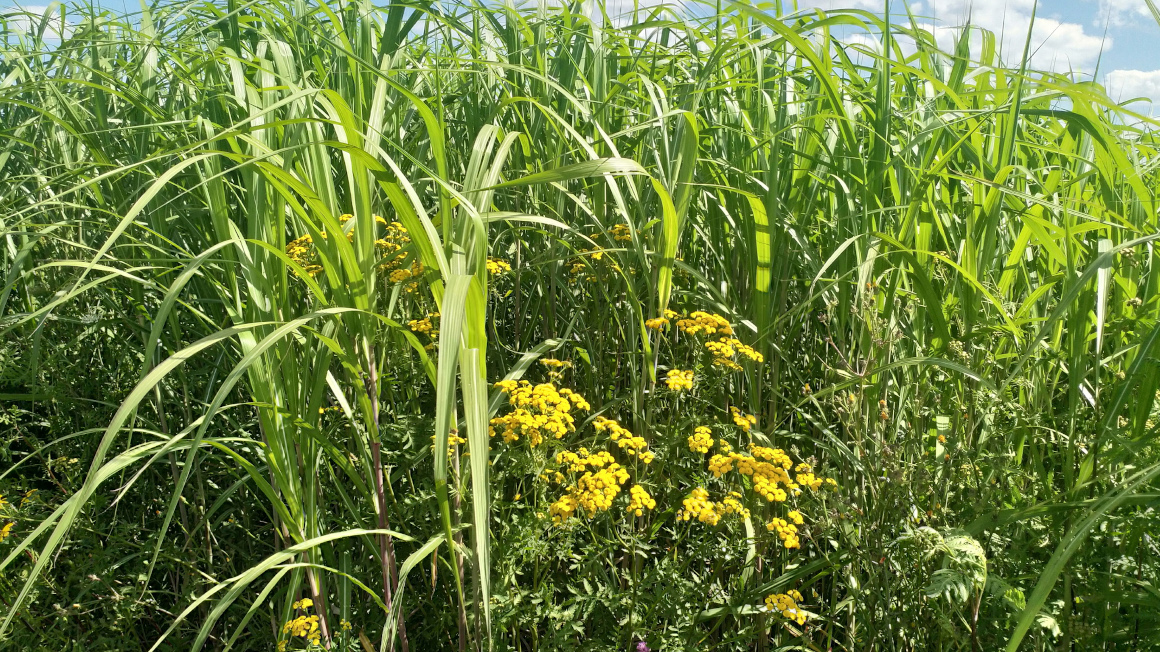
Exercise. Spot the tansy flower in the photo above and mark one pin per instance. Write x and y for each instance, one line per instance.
(497, 266)
(743, 421)
(678, 380)
(702, 439)
(640, 500)
(786, 605)
(656, 323)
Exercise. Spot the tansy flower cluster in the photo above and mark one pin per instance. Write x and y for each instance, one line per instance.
(391, 243)
(769, 468)
(697, 505)
(743, 421)
(620, 233)
(786, 605)
(678, 380)
(806, 478)
(724, 350)
(786, 531)
(555, 367)
(594, 491)
(640, 500)
(301, 251)
(303, 626)
(587, 271)
(453, 440)
(540, 410)
(703, 323)
(497, 266)
(657, 323)
(627, 441)
(426, 326)
(702, 439)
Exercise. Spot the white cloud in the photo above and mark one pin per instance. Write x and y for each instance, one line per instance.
(28, 18)
(1055, 45)
(1123, 85)
(1122, 12)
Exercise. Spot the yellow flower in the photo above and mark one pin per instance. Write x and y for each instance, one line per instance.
(620, 233)
(539, 411)
(656, 323)
(678, 380)
(624, 439)
(701, 440)
(795, 516)
(743, 421)
(497, 266)
(6, 530)
(345, 625)
(786, 605)
(640, 500)
(786, 531)
(702, 322)
(304, 603)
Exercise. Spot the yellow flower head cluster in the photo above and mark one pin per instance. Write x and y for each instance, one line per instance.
(703, 323)
(407, 274)
(304, 626)
(627, 441)
(656, 323)
(810, 480)
(786, 531)
(702, 439)
(786, 605)
(555, 367)
(732, 505)
(6, 530)
(497, 266)
(768, 467)
(453, 440)
(593, 491)
(589, 272)
(392, 242)
(425, 325)
(724, 350)
(301, 251)
(743, 421)
(678, 380)
(582, 461)
(796, 517)
(697, 505)
(620, 233)
(539, 410)
(640, 500)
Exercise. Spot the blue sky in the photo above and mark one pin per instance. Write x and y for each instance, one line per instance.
(1068, 35)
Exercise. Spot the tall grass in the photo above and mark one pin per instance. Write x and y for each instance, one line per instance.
(946, 262)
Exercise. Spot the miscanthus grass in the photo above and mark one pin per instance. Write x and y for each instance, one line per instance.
(453, 325)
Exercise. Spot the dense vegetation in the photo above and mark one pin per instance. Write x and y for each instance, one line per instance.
(458, 326)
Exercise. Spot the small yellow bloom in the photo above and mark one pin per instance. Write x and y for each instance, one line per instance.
(678, 380)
